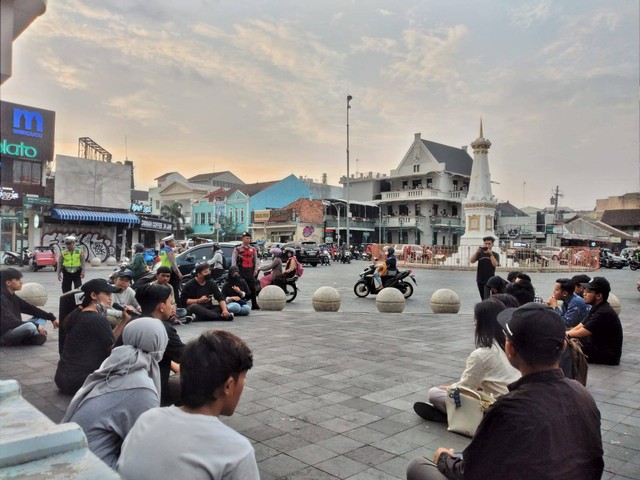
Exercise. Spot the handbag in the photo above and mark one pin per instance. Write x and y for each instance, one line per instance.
(465, 409)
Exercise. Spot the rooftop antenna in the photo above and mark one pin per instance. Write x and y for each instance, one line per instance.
(126, 152)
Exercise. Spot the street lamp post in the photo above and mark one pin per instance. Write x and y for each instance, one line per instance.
(349, 98)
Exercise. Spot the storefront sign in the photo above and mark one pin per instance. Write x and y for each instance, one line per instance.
(29, 200)
(14, 194)
(159, 225)
(11, 218)
(18, 150)
(140, 208)
(7, 194)
(261, 216)
(26, 132)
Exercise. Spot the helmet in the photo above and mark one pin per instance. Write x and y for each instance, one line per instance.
(276, 251)
(290, 250)
(70, 239)
(138, 248)
(216, 247)
(125, 273)
(391, 251)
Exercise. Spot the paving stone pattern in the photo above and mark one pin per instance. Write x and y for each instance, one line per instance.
(331, 394)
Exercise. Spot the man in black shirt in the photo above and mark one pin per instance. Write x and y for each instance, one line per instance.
(546, 427)
(601, 332)
(487, 263)
(202, 297)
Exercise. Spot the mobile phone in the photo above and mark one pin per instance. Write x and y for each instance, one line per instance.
(484, 248)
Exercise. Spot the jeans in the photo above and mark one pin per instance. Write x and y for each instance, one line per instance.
(423, 469)
(17, 335)
(238, 309)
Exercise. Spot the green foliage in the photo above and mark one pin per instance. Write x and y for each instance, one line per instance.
(173, 213)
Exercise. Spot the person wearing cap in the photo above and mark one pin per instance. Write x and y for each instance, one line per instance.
(245, 257)
(70, 265)
(86, 338)
(573, 309)
(578, 280)
(168, 259)
(601, 332)
(202, 297)
(124, 297)
(546, 427)
(487, 260)
(13, 331)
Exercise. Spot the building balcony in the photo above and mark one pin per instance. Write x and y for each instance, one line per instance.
(444, 221)
(420, 194)
(331, 221)
(405, 221)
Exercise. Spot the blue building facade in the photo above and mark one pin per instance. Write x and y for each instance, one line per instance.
(280, 194)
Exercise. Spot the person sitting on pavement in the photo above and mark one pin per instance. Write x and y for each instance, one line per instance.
(573, 309)
(511, 276)
(380, 271)
(578, 280)
(126, 385)
(13, 331)
(236, 291)
(180, 315)
(202, 297)
(274, 268)
(138, 265)
(526, 278)
(509, 300)
(547, 426)
(496, 285)
(601, 332)
(191, 441)
(125, 297)
(522, 290)
(487, 369)
(86, 338)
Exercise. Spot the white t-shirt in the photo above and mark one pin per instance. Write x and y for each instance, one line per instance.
(169, 443)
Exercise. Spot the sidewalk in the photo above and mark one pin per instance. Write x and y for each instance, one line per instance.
(331, 395)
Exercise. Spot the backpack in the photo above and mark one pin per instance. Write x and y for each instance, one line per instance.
(299, 269)
(579, 365)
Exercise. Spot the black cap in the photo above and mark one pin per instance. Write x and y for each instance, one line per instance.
(245, 234)
(598, 284)
(98, 285)
(533, 327)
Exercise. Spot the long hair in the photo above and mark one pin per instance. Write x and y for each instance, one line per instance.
(67, 323)
(488, 330)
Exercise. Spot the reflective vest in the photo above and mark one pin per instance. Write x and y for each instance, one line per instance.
(71, 259)
(164, 257)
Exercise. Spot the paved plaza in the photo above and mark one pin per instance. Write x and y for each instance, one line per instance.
(330, 394)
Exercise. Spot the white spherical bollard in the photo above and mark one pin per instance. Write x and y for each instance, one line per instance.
(445, 301)
(112, 262)
(95, 262)
(615, 303)
(272, 298)
(326, 299)
(390, 300)
(33, 293)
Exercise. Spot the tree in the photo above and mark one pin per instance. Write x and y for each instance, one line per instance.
(229, 227)
(174, 214)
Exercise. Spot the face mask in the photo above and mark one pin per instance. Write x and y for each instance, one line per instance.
(101, 309)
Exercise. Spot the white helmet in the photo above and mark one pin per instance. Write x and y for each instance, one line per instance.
(70, 239)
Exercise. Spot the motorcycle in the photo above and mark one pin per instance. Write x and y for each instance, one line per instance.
(633, 264)
(344, 257)
(290, 287)
(365, 285)
(14, 258)
(124, 264)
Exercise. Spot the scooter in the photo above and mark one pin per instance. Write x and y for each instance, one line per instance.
(365, 285)
(289, 286)
(633, 264)
(14, 258)
(345, 257)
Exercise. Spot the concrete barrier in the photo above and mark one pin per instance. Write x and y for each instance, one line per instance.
(272, 298)
(34, 293)
(615, 303)
(390, 300)
(95, 262)
(326, 299)
(112, 262)
(445, 301)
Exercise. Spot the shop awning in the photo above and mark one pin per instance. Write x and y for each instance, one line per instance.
(91, 216)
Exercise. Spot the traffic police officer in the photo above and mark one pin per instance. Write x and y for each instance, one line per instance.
(70, 265)
(168, 259)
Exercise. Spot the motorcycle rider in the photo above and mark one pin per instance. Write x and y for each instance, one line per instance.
(391, 262)
(290, 267)
(380, 271)
(70, 265)
(217, 266)
(274, 268)
(138, 265)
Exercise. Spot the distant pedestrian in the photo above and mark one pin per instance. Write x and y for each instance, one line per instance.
(245, 257)
(70, 265)
(487, 260)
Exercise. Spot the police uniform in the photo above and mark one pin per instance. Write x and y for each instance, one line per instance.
(71, 267)
(246, 259)
(165, 261)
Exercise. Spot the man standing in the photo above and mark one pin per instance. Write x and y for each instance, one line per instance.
(13, 331)
(546, 427)
(573, 310)
(245, 257)
(202, 297)
(601, 333)
(70, 265)
(487, 260)
(168, 259)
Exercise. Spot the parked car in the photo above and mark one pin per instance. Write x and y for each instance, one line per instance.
(188, 259)
(554, 253)
(306, 252)
(628, 252)
(609, 260)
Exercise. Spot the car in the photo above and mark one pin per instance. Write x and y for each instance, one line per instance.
(554, 253)
(306, 252)
(628, 252)
(609, 260)
(188, 259)
(528, 256)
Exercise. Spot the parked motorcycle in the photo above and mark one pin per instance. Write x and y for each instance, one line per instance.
(633, 263)
(365, 285)
(14, 258)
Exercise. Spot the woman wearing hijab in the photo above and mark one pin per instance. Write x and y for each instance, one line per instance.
(126, 385)
(275, 267)
(236, 292)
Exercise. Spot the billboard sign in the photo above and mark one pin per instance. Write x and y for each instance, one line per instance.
(26, 132)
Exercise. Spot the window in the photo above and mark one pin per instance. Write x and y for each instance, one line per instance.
(416, 168)
(157, 204)
(202, 219)
(429, 182)
(27, 172)
(210, 218)
(241, 216)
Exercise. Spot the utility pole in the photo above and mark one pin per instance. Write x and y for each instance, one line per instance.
(554, 202)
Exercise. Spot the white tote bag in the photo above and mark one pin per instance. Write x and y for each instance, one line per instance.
(465, 409)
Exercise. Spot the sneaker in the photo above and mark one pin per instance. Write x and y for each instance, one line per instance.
(37, 339)
(429, 412)
(230, 318)
(188, 319)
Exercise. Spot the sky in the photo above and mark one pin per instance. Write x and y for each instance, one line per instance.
(259, 87)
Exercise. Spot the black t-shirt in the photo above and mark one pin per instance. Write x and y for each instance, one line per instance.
(606, 334)
(89, 339)
(194, 290)
(485, 269)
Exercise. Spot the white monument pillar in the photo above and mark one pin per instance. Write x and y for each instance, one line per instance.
(480, 204)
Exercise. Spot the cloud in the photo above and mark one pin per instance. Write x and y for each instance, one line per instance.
(67, 75)
(140, 106)
(384, 12)
(524, 17)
